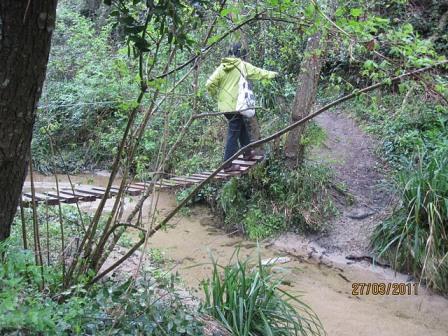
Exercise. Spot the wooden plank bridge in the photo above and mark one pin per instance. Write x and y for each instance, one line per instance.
(89, 193)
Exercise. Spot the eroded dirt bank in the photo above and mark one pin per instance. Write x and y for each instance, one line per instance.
(351, 155)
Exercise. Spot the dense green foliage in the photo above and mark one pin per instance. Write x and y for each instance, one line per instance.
(272, 199)
(248, 301)
(415, 238)
(414, 138)
(405, 123)
(111, 308)
(32, 301)
(88, 91)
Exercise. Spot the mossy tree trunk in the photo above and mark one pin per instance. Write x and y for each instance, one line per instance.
(25, 37)
(90, 8)
(307, 83)
(307, 80)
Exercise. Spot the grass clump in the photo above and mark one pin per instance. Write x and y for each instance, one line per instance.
(415, 238)
(249, 301)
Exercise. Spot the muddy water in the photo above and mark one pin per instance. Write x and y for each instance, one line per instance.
(47, 182)
(325, 286)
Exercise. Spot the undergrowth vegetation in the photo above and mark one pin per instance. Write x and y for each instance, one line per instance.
(406, 123)
(271, 199)
(110, 308)
(415, 238)
(414, 136)
(248, 300)
(33, 301)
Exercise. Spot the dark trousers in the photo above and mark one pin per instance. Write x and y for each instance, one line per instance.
(238, 132)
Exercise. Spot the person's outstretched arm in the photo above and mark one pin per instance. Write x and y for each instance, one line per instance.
(212, 84)
(255, 73)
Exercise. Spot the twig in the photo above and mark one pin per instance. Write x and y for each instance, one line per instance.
(26, 11)
(37, 248)
(209, 47)
(22, 217)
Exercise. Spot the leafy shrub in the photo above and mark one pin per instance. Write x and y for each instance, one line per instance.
(404, 122)
(249, 301)
(259, 225)
(109, 308)
(86, 96)
(415, 238)
(272, 198)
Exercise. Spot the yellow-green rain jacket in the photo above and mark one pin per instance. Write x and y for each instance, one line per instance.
(224, 82)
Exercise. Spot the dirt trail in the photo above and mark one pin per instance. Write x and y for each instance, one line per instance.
(350, 154)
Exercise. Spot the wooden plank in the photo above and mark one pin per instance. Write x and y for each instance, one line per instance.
(167, 183)
(204, 176)
(231, 173)
(244, 163)
(193, 177)
(42, 198)
(138, 186)
(26, 201)
(143, 184)
(133, 191)
(63, 198)
(161, 184)
(80, 195)
(114, 190)
(184, 179)
(221, 174)
(242, 169)
(147, 186)
(255, 158)
(97, 193)
(174, 183)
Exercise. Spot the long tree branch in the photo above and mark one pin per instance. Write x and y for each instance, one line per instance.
(284, 131)
(211, 45)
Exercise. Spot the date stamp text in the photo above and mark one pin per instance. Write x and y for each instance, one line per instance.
(382, 288)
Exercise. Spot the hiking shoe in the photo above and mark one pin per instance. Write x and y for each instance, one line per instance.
(250, 155)
(233, 167)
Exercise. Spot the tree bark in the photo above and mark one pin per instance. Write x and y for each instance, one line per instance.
(305, 97)
(25, 37)
(90, 8)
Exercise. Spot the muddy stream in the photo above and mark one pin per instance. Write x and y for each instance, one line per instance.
(324, 281)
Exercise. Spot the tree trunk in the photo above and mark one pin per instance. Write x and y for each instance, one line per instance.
(305, 96)
(25, 37)
(90, 8)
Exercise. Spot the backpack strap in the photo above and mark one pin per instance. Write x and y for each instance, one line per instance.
(241, 72)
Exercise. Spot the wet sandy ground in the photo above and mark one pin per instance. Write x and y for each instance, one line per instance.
(350, 153)
(326, 286)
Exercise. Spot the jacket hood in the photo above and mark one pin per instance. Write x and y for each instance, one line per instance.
(230, 63)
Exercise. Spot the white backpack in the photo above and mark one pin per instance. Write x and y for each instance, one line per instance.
(246, 98)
